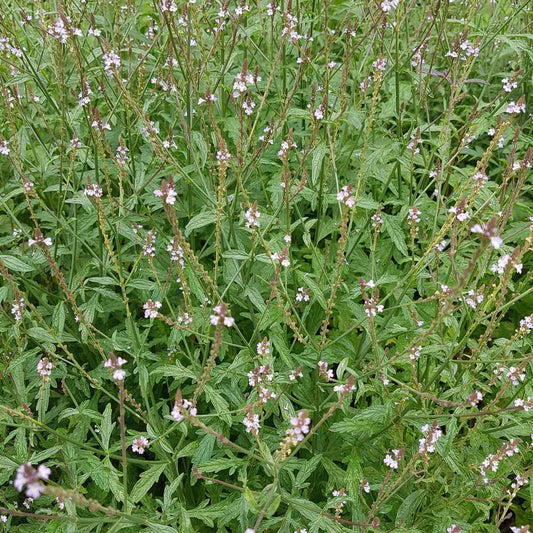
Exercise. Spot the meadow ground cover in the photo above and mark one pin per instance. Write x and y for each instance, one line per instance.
(266, 267)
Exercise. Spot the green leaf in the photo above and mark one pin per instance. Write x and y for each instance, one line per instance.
(199, 142)
(199, 221)
(177, 370)
(41, 335)
(305, 470)
(316, 163)
(15, 264)
(395, 231)
(408, 508)
(273, 507)
(147, 479)
(106, 427)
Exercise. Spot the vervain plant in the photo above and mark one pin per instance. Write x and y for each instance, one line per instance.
(266, 267)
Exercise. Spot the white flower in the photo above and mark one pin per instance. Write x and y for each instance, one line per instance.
(168, 5)
(414, 215)
(4, 150)
(391, 460)
(221, 316)
(140, 444)
(94, 190)
(29, 477)
(182, 405)
(502, 263)
(346, 197)
(282, 258)
(454, 528)
(248, 106)
(252, 217)
(318, 113)
(513, 108)
(251, 421)
(344, 388)
(302, 295)
(324, 371)
(44, 366)
(151, 309)
(115, 364)
(17, 308)
(380, 63)
(47, 241)
(459, 213)
(263, 347)
(427, 443)
(167, 191)
(111, 62)
(389, 5)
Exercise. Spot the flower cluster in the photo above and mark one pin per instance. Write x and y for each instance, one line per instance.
(260, 374)
(168, 5)
(414, 215)
(302, 295)
(300, 427)
(30, 478)
(324, 371)
(140, 444)
(344, 388)
(39, 239)
(296, 373)
(389, 5)
(414, 352)
(526, 324)
(115, 364)
(526, 405)
(345, 195)
(516, 375)
(509, 85)
(45, 367)
(17, 308)
(223, 156)
(432, 435)
(377, 221)
(111, 62)
(516, 108)
(282, 257)
(500, 266)
(181, 405)
(340, 503)
(93, 189)
(490, 231)
(492, 461)
(4, 149)
(392, 459)
(251, 422)
(148, 248)
(252, 216)
(474, 298)
(461, 214)
(295, 434)
(121, 155)
(221, 316)
(285, 147)
(167, 192)
(372, 307)
(263, 347)
(474, 398)
(176, 251)
(151, 308)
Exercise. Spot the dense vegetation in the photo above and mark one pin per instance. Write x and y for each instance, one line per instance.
(266, 267)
